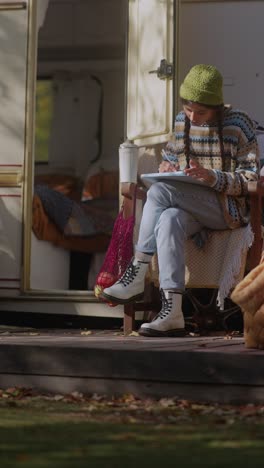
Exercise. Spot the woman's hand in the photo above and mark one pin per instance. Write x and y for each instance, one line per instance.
(166, 166)
(199, 172)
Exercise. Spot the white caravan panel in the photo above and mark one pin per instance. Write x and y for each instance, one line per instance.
(229, 35)
(13, 64)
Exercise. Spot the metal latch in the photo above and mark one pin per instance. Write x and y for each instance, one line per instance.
(164, 71)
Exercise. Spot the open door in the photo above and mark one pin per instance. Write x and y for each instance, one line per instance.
(150, 71)
(16, 60)
(79, 125)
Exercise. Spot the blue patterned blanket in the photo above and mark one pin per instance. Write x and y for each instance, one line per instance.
(83, 219)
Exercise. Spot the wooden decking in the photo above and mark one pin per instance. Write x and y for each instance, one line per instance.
(213, 368)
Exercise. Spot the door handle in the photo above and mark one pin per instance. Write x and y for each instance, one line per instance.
(164, 71)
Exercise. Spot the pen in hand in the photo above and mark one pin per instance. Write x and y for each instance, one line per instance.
(165, 157)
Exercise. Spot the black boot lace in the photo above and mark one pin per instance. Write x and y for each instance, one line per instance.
(166, 306)
(130, 274)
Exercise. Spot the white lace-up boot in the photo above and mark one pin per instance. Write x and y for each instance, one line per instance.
(130, 287)
(170, 320)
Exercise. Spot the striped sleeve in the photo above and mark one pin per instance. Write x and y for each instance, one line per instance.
(247, 159)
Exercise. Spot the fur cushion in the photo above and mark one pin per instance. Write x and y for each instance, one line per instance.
(249, 295)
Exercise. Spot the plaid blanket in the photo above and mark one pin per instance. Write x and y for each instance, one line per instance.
(82, 219)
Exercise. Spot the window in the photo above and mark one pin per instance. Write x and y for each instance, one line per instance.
(44, 114)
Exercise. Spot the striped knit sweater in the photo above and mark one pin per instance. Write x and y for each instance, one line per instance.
(240, 159)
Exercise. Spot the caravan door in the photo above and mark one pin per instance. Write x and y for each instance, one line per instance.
(150, 114)
(16, 90)
(150, 71)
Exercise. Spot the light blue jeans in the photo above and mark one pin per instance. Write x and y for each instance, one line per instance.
(171, 214)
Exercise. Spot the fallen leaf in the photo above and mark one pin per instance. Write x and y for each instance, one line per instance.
(97, 397)
(197, 407)
(86, 333)
(58, 397)
(166, 402)
(76, 395)
(128, 398)
(133, 333)
(11, 390)
(132, 420)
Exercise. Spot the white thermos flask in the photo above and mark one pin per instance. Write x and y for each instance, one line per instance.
(128, 161)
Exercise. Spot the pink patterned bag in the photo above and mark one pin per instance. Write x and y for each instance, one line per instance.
(119, 252)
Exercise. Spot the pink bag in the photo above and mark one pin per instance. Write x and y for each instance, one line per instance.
(119, 252)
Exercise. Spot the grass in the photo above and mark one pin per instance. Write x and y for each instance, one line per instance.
(38, 433)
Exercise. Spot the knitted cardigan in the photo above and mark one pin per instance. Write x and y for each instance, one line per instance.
(241, 159)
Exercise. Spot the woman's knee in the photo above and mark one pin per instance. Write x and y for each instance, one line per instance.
(172, 215)
(158, 191)
(170, 220)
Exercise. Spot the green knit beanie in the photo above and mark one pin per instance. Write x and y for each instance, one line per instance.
(204, 85)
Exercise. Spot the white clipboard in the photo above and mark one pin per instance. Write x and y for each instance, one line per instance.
(170, 177)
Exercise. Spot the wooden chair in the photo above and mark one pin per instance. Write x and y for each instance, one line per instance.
(203, 313)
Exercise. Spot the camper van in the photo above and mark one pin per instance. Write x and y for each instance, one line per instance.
(78, 79)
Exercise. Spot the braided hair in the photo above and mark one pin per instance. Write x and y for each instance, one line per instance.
(187, 126)
(220, 115)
